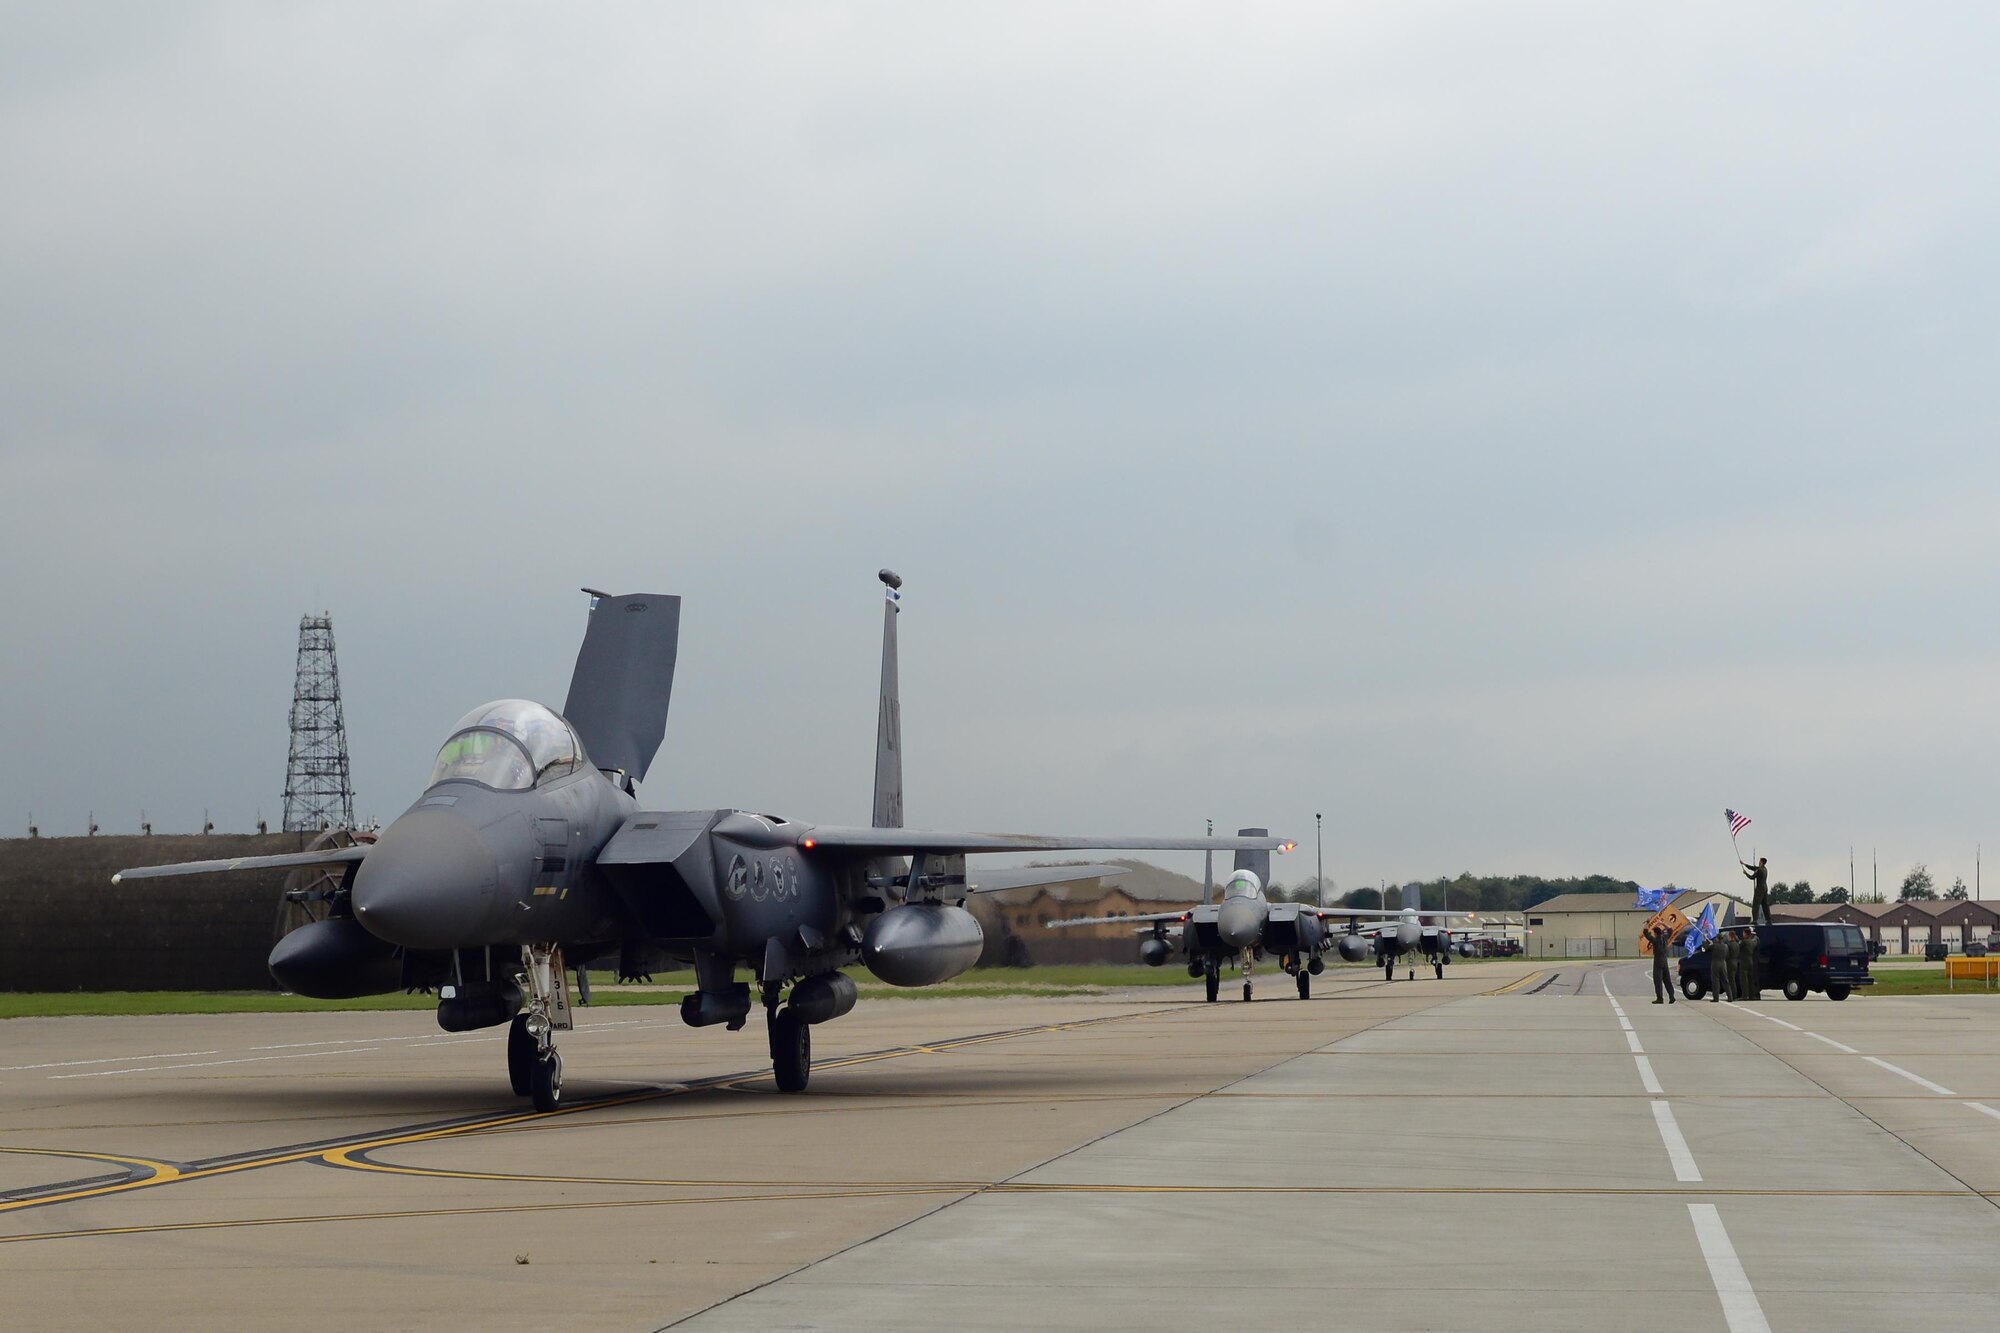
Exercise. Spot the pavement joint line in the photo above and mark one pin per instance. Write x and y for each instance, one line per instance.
(1917, 1079)
(106, 1060)
(1677, 1147)
(211, 1064)
(1740, 1308)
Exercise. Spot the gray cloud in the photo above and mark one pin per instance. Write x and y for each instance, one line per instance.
(1517, 433)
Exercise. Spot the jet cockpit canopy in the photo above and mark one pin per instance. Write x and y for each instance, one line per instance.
(509, 745)
(1243, 884)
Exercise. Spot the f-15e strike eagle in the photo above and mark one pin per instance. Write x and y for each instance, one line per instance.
(1245, 926)
(527, 853)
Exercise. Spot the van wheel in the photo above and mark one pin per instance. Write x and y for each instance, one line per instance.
(1692, 988)
(1795, 989)
(1837, 992)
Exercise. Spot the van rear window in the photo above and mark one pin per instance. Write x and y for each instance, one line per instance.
(1844, 939)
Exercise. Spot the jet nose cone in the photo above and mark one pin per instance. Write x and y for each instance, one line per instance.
(427, 883)
(1240, 922)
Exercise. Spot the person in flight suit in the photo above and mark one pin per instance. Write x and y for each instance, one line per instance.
(1747, 981)
(1759, 876)
(1718, 968)
(1663, 984)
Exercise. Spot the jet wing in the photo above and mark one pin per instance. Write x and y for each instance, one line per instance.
(286, 861)
(1136, 920)
(1330, 912)
(1030, 877)
(906, 842)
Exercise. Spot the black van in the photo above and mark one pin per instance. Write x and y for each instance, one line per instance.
(1796, 957)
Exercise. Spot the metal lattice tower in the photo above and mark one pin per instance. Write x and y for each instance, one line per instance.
(319, 789)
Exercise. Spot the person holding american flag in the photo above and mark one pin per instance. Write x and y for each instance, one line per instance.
(1759, 875)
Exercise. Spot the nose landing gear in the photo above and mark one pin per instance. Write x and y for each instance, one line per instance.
(533, 1066)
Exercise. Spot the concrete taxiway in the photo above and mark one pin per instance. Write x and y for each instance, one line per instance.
(1559, 1155)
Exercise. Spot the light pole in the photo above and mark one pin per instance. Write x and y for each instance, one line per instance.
(1319, 864)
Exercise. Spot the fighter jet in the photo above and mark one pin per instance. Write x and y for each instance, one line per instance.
(1406, 933)
(1235, 932)
(1245, 927)
(528, 853)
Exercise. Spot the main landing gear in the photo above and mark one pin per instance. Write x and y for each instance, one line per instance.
(1214, 980)
(533, 1065)
(791, 1049)
(1438, 963)
(1305, 984)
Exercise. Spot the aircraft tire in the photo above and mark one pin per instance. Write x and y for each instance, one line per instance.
(520, 1056)
(547, 1081)
(791, 1051)
(1305, 985)
(1246, 992)
(1440, 971)
(1214, 987)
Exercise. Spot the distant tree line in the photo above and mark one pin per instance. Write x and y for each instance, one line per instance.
(1465, 893)
(1517, 893)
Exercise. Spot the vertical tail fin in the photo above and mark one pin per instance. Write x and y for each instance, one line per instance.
(624, 679)
(1257, 863)
(889, 716)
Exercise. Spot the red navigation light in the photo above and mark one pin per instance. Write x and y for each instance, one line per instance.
(809, 844)
(1290, 846)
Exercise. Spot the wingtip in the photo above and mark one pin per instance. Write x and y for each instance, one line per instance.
(118, 878)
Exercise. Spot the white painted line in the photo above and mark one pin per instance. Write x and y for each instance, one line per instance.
(1677, 1147)
(1646, 1075)
(1739, 1302)
(1624, 1022)
(1983, 1107)
(1632, 1040)
(1769, 1019)
(107, 1060)
(1919, 1081)
(210, 1064)
(1837, 1045)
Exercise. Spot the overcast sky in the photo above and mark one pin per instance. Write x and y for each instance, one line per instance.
(1515, 431)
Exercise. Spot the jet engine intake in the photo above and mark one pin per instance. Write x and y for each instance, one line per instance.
(1354, 948)
(921, 944)
(823, 998)
(1153, 952)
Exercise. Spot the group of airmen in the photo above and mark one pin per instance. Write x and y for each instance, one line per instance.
(1732, 965)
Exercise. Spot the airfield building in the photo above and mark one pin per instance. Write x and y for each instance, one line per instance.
(1607, 925)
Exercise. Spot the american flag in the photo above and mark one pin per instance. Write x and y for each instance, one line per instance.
(1737, 823)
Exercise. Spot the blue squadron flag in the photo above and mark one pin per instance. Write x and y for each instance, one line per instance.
(1702, 931)
(1652, 900)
